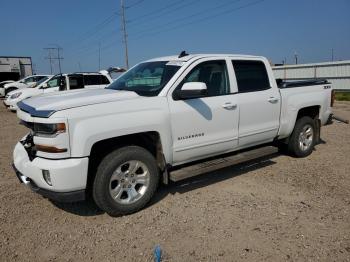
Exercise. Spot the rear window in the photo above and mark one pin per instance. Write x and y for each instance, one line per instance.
(251, 76)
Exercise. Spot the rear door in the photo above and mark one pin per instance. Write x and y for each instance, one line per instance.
(259, 103)
(205, 126)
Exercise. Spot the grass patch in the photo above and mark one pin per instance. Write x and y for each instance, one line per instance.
(342, 96)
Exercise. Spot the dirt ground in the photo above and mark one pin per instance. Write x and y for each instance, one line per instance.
(275, 209)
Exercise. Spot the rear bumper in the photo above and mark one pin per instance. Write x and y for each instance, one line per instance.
(68, 176)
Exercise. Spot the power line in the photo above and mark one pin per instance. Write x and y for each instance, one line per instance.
(156, 11)
(134, 4)
(205, 11)
(96, 29)
(200, 20)
(52, 58)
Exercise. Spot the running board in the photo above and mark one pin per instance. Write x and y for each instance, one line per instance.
(211, 165)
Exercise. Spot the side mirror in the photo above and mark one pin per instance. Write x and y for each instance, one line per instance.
(192, 90)
(44, 86)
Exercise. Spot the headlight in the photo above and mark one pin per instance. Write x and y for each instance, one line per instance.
(14, 96)
(41, 129)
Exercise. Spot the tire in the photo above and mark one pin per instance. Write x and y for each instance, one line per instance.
(302, 140)
(121, 185)
(10, 89)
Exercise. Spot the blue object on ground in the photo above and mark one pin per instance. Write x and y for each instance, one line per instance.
(157, 254)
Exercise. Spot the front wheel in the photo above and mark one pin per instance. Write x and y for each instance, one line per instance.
(302, 140)
(125, 181)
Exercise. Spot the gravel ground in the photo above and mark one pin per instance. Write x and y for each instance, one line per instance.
(275, 209)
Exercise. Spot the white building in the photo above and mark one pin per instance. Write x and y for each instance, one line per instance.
(14, 67)
(338, 73)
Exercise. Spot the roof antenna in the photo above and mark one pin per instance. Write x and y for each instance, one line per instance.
(182, 54)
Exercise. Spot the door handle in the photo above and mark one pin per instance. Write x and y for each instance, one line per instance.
(273, 100)
(229, 106)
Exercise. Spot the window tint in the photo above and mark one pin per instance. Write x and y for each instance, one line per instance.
(104, 80)
(213, 74)
(96, 80)
(251, 76)
(76, 82)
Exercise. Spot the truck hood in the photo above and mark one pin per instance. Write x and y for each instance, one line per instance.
(45, 105)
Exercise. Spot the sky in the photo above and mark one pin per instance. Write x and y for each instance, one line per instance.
(276, 29)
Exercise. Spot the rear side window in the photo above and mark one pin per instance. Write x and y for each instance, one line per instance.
(76, 82)
(92, 80)
(251, 76)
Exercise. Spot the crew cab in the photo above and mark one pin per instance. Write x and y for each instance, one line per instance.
(28, 81)
(57, 83)
(158, 119)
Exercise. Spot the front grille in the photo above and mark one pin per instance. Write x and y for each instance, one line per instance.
(28, 145)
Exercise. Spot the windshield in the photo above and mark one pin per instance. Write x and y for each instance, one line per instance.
(40, 82)
(146, 79)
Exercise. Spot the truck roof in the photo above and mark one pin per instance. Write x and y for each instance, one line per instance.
(198, 56)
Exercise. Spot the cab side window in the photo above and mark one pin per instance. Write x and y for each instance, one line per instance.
(76, 82)
(251, 76)
(213, 74)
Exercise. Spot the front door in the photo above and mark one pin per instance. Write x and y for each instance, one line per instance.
(205, 126)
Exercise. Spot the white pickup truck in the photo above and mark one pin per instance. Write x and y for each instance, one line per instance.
(153, 122)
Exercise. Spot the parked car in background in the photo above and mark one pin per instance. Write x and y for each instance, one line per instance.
(57, 83)
(29, 81)
(156, 120)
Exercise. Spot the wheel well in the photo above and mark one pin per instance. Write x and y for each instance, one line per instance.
(148, 140)
(9, 89)
(311, 111)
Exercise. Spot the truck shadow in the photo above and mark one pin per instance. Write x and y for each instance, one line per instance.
(213, 177)
(89, 208)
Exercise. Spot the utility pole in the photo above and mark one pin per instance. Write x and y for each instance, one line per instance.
(296, 58)
(125, 36)
(59, 59)
(79, 66)
(51, 58)
(99, 56)
(332, 54)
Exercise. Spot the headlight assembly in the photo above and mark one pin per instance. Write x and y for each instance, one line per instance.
(16, 95)
(41, 129)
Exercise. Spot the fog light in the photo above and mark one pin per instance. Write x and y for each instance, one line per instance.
(46, 176)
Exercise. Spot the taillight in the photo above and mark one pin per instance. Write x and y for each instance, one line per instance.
(332, 98)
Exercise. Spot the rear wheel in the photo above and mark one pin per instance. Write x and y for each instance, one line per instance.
(125, 181)
(302, 140)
